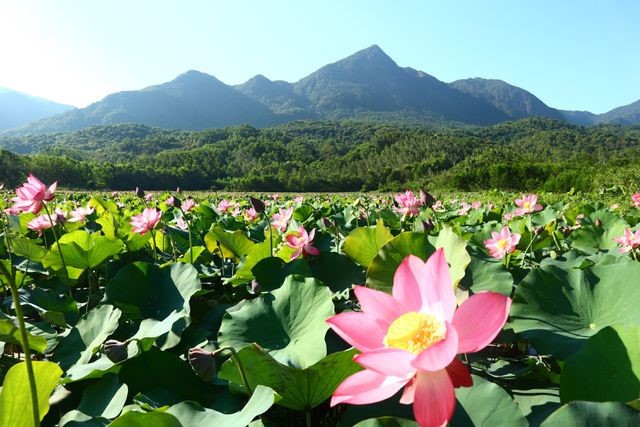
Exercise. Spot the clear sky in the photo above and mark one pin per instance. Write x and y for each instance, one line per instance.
(572, 54)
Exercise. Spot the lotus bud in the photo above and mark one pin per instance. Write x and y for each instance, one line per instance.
(138, 192)
(538, 230)
(427, 199)
(257, 204)
(203, 363)
(598, 222)
(115, 350)
(327, 222)
(178, 190)
(177, 202)
(428, 225)
(255, 287)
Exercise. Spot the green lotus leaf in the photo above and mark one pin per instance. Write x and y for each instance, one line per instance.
(289, 322)
(593, 414)
(301, 389)
(363, 243)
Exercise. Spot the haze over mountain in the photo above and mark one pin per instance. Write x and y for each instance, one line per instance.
(367, 85)
(17, 109)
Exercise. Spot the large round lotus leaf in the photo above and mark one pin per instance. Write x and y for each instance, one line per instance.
(487, 274)
(16, 409)
(10, 333)
(592, 237)
(363, 243)
(289, 322)
(145, 419)
(560, 305)
(192, 414)
(81, 250)
(142, 290)
(593, 414)
(78, 346)
(486, 404)
(229, 244)
(300, 389)
(606, 369)
(104, 399)
(383, 267)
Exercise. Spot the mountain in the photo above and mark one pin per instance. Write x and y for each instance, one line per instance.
(17, 109)
(515, 102)
(370, 82)
(367, 86)
(279, 96)
(193, 100)
(625, 115)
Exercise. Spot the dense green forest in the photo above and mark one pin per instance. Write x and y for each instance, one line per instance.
(529, 154)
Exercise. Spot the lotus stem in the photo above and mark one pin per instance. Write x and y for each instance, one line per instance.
(24, 340)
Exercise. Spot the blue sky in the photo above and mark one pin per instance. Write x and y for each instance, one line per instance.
(579, 55)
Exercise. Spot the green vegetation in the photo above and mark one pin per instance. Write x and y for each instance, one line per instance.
(529, 154)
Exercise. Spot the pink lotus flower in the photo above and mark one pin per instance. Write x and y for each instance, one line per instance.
(502, 243)
(476, 205)
(411, 339)
(81, 214)
(408, 204)
(635, 199)
(146, 221)
(181, 224)
(281, 219)
(527, 204)
(170, 201)
(148, 196)
(464, 209)
(438, 205)
(40, 223)
(298, 200)
(224, 206)
(188, 205)
(301, 242)
(32, 195)
(508, 216)
(630, 241)
(251, 214)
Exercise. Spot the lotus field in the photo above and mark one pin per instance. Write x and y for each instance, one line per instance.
(170, 309)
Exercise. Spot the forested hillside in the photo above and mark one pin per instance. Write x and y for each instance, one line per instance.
(332, 156)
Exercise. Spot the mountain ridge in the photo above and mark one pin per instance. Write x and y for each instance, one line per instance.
(367, 85)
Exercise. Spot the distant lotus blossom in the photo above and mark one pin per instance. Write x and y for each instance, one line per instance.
(527, 204)
(145, 221)
(114, 193)
(630, 241)
(170, 201)
(32, 195)
(502, 243)
(635, 199)
(281, 219)
(298, 199)
(223, 206)
(188, 205)
(251, 214)
(508, 216)
(181, 224)
(148, 196)
(408, 203)
(490, 206)
(39, 224)
(614, 206)
(411, 339)
(301, 242)
(464, 209)
(1, 187)
(81, 214)
(275, 196)
(476, 205)
(438, 205)
(59, 216)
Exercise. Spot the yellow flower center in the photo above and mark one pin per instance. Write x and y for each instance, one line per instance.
(415, 331)
(527, 205)
(502, 244)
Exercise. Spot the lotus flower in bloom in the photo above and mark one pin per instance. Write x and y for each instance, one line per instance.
(32, 195)
(251, 214)
(81, 214)
(527, 204)
(281, 219)
(145, 221)
(40, 223)
(629, 241)
(223, 206)
(188, 205)
(502, 243)
(635, 200)
(301, 242)
(408, 204)
(410, 339)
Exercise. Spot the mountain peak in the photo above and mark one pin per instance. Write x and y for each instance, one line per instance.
(371, 56)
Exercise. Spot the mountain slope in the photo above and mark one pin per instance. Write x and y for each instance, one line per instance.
(625, 115)
(17, 109)
(278, 96)
(369, 81)
(516, 102)
(193, 101)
